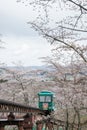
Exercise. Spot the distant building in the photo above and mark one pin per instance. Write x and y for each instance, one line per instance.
(69, 77)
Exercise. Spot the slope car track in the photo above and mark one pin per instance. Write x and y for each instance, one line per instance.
(8, 106)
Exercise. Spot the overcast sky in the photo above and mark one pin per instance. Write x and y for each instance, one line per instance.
(22, 44)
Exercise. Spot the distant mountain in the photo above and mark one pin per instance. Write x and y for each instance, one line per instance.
(43, 67)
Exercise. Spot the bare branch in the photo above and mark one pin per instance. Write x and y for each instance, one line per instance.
(69, 45)
(73, 29)
(80, 6)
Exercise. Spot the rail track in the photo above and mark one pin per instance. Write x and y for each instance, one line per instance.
(8, 106)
